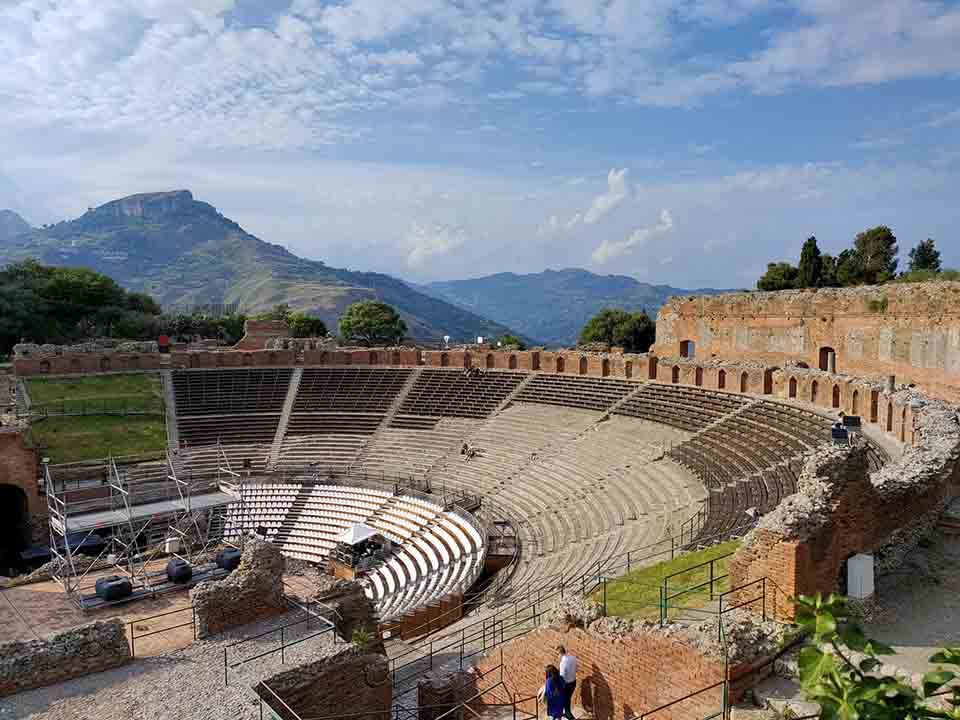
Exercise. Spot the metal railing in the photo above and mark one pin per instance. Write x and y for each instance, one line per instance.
(134, 636)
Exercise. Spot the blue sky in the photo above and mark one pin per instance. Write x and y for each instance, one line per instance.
(681, 141)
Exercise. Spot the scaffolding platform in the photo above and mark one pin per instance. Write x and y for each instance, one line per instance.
(99, 519)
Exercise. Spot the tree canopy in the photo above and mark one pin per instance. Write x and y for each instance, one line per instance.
(851, 687)
(371, 323)
(779, 276)
(305, 326)
(512, 341)
(633, 331)
(45, 304)
(925, 257)
(810, 270)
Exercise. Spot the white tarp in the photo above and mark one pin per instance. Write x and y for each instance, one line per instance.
(356, 534)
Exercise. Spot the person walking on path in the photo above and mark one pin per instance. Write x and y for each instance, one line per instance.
(568, 674)
(553, 693)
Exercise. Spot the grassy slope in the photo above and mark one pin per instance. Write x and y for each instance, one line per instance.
(73, 438)
(637, 594)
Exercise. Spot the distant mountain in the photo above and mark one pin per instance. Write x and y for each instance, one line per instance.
(184, 252)
(12, 225)
(553, 305)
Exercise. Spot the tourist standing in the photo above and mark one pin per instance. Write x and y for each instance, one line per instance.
(568, 674)
(553, 692)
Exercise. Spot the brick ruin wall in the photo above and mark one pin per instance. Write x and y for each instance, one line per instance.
(911, 330)
(252, 592)
(841, 509)
(71, 654)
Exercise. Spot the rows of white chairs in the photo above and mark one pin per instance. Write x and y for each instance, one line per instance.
(437, 553)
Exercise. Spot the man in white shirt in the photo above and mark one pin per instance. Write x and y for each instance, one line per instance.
(568, 673)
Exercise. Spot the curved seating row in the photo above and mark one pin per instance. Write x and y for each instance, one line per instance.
(574, 391)
(457, 393)
(230, 391)
(358, 389)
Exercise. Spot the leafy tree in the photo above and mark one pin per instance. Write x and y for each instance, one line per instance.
(810, 270)
(779, 276)
(306, 326)
(371, 322)
(512, 341)
(925, 256)
(634, 332)
(875, 250)
(849, 687)
(143, 303)
(828, 273)
(278, 312)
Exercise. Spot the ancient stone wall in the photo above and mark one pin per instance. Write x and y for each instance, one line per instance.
(840, 509)
(256, 333)
(70, 654)
(349, 679)
(85, 363)
(250, 593)
(911, 330)
(19, 466)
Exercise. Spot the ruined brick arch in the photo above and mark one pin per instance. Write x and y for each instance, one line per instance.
(605, 367)
(824, 359)
(491, 361)
(792, 388)
(324, 357)
(372, 357)
(889, 424)
(247, 359)
(874, 406)
(444, 360)
(722, 380)
(628, 369)
(14, 524)
(467, 360)
(560, 364)
(835, 401)
(903, 424)
(855, 403)
(698, 377)
(218, 359)
(768, 381)
(744, 381)
(675, 374)
(104, 364)
(75, 365)
(583, 365)
(652, 372)
(273, 358)
(814, 392)
(133, 363)
(688, 349)
(396, 357)
(512, 362)
(44, 367)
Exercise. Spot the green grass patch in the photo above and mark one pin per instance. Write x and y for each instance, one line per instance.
(135, 392)
(70, 439)
(637, 594)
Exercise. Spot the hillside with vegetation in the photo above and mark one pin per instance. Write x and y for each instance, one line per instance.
(552, 306)
(184, 252)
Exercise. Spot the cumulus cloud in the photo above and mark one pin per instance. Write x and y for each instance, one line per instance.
(424, 242)
(610, 249)
(605, 203)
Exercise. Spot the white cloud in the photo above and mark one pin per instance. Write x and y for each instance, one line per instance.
(610, 249)
(617, 192)
(425, 242)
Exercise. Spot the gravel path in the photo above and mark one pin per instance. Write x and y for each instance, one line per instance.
(188, 683)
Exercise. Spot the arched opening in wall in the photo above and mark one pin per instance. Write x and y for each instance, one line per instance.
(444, 360)
(744, 382)
(75, 365)
(825, 353)
(722, 380)
(14, 529)
(247, 359)
(874, 406)
(814, 392)
(218, 359)
(903, 424)
(491, 362)
(512, 362)
(889, 425)
(560, 365)
(836, 397)
(675, 374)
(792, 388)
(855, 403)
(605, 367)
(688, 349)
(768, 381)
(467, 360)
(104, 364)
(583, 365)
(44, 367)
(372, 358)
(396, 357)
(628, 369)
(652, 371)
(347, 358)
(133, 363)
(698, 377)
(272, 358)
(324, 357)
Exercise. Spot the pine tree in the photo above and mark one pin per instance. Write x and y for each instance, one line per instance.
(925, 256)
(810, 269)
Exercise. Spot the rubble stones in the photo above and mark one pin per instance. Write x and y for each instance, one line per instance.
(573, 612)
(70, 654)
(251, 592)
(23, 350)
